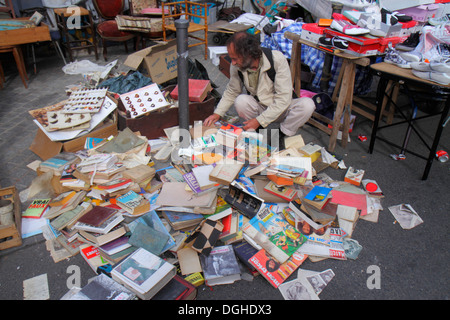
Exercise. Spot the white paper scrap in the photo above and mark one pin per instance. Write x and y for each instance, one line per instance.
(36, 288)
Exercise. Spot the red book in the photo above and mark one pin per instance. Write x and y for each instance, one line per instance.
(198, 90)
(116, 183)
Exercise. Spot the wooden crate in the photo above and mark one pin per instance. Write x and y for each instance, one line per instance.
(10, 236)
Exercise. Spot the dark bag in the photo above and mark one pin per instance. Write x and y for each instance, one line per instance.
(324, 105)
(229, 14)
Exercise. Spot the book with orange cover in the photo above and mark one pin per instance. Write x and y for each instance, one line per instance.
(280, 181)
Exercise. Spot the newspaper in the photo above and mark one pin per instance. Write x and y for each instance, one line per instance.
(406, 216)
(325, 242)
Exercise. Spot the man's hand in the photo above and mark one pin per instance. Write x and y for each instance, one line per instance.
(251, 124)
(211, 120)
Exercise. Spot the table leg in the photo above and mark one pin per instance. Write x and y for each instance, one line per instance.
(380, 95)
(437, 137)
(411, 119)
(348, 103)
(347, 68)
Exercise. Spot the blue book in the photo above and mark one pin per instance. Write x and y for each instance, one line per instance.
(181, 220)
(318, 196)
(148, 238)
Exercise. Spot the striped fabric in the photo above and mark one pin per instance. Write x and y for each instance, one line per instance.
(315, 58)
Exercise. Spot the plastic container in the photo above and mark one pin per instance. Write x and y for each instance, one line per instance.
(442, 156)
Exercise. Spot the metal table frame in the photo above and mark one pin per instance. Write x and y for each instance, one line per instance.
(406, 79)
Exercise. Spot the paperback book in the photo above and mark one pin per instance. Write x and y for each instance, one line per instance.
(133, 203)
(273, 271)
(36, 208)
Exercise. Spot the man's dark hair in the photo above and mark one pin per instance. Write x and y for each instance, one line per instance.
(245, 44)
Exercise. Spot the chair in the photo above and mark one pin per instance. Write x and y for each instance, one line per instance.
(195, 13)
(8, 8)
(108, 29)
(15, 50)
(18, 56)
(84, 34)
(155, 20)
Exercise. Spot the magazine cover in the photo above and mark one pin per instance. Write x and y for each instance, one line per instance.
(272, 270)
(275, 234)
(324, 242)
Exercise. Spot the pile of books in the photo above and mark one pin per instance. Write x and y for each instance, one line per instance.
(226, 207)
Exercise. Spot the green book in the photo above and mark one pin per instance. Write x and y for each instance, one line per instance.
(65, 218)
(36, 208)
(148, 238)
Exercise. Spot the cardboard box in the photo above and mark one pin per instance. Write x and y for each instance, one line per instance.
(384, 43)
(159, 60)
(312, 32)
(152, 125)
(11, 235)
(46, 148)
(357, 45)
(421, 13)
(225, 64)
(408, 28)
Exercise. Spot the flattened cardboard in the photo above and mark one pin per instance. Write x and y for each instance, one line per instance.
(45, 148)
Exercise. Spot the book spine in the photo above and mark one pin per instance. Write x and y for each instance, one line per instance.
(192, 182)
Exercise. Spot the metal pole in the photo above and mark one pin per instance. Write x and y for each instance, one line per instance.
(183, 81)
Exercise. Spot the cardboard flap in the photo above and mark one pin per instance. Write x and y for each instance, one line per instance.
(134, 60)
(44, 147)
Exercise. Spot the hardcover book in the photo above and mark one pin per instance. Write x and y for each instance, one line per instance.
(143, 273)
(177, 289)
(220, 266)
(104, 228)
(150, 239)
(102, 287)
(198, 90)
(182, 220)
(99, 239)
(97, 215)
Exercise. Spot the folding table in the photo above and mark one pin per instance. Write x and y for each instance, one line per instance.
(342, 94)
(407, 81)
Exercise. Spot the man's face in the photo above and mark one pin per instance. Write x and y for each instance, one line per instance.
(239, 61)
